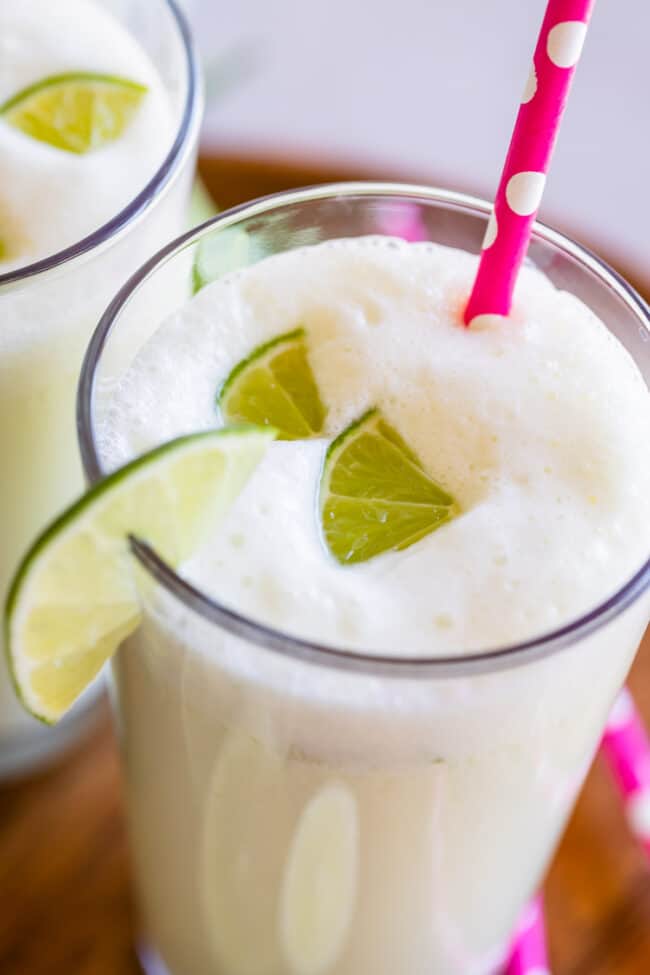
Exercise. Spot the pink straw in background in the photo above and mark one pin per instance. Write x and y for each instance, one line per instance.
(522, 182)
(626, 748)
(528, 954)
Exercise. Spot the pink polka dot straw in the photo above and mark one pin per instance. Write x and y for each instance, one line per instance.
(625, 743)
(626, 747)
(522, 181)
(528, 955)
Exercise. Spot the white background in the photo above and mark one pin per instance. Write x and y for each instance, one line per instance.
(430, 88)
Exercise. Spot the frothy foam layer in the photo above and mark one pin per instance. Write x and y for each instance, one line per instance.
(50, 198)
(538, 425)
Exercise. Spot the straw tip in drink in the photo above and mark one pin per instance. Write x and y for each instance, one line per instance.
(485, 322)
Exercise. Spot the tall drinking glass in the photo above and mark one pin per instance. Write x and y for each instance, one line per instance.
(47, 312)
(298, 809)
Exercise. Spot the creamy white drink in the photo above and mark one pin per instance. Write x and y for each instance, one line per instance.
(295, 819)
(51, 199)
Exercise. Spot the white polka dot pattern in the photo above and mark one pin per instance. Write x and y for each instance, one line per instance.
(487, 321)
(531, 87)
(491, 231)
(520, 189)
(564, 43)
(528, 953)
(638, 814)
(622, 710)
(524, 192)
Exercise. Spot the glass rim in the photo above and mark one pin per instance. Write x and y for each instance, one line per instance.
(140, 203)
(273, 639)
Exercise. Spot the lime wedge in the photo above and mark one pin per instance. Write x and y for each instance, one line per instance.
(224, 250)
(74, 598)
(211, 256)
(227, 249)
(275, 387)
(375, 495)
(202, 207)
(77, 112)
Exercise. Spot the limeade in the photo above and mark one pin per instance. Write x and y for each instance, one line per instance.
(51, 197)
(289, 819)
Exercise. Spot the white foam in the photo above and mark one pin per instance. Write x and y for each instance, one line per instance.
(538, 425)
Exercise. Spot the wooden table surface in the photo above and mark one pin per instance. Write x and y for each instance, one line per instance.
(65, 896)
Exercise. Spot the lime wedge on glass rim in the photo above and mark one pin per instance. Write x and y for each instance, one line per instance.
(222, 251)
(275, 386)
(77, 111)
(202, 207)
(374, 495)
(74, 599)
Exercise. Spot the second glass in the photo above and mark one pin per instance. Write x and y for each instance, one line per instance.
(47, 312)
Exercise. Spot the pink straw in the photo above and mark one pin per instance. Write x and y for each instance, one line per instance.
(528, 954)
(626, 747)
(405, 223)
(625, 743)
(522, 182)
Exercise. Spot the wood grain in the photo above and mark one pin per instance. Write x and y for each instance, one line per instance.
(65, 892)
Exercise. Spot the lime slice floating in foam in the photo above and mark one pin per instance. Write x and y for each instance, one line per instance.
(73, 599)
(375, 495)
(76, 112)
(275, 386)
